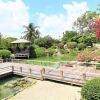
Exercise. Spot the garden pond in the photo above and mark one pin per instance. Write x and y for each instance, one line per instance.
(12, 84)
(4, 91)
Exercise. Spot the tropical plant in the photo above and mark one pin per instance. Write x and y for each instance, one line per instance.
(31, 32)
(0, 37)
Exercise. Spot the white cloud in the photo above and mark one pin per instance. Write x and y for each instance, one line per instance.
(54, 25)
(13, 15)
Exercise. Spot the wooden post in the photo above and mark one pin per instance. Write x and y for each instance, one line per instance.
(30, 71)
(62, 75)
(12, 68)
(42, 71)
(20, 69)
(95, 67)
(84, 76)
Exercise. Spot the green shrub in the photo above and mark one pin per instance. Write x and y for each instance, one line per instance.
(81, 46)
(12, 56)
(71, 45)
(64, 51)
(40, 52)
(51, 51)
(32, 52)
(91, 90)
(5, 53)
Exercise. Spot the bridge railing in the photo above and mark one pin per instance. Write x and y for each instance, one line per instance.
(72, 77)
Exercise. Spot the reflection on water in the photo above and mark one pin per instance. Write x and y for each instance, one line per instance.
(4, 92)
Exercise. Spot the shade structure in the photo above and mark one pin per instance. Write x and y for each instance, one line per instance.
(20, 41)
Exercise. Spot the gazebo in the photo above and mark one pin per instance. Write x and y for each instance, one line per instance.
(21, 52)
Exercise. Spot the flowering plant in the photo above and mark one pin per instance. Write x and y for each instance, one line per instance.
(96, 25)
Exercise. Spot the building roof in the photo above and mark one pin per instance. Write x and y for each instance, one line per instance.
(20, 41)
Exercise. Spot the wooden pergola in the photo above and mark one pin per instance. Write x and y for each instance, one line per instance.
(18, 52)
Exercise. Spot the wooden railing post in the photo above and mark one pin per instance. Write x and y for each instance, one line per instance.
(95, 67)
(20, 69)
(42, 71)
(30, 71)
(84, 76)
(62, 75)
(12, 68)
(41, 74)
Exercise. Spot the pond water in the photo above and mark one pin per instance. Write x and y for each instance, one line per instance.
(5, 92)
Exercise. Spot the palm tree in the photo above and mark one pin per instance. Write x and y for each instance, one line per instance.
(31, 32)
(0, 37)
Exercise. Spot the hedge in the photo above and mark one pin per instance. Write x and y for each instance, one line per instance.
(40, 52)
(5, 53)
(91, 90)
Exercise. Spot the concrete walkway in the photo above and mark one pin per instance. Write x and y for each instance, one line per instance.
(46, 90)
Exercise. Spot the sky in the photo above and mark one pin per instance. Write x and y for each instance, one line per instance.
(52, 16)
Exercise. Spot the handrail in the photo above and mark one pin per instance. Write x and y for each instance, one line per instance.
(54, 74)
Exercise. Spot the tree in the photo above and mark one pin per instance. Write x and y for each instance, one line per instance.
(0, 37)
(31, 32)
(6, 42)
(68, 35)
(45, 42)
(96, 27)
(82, 22)
(41, 42)
(49, 41)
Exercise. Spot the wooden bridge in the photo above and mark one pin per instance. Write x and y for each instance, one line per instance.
(49, 73)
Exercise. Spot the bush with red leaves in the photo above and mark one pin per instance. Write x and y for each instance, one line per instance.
(96, 26)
